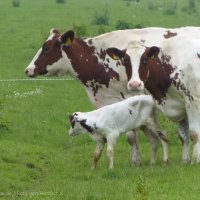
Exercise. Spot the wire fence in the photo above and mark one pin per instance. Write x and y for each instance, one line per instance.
(38, 79)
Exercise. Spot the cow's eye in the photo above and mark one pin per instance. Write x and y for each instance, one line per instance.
(145, 60)
(125, 61)
(45, 49)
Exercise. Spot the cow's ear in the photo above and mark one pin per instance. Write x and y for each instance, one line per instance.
(153, 52)
(67, 37)
(115, 53)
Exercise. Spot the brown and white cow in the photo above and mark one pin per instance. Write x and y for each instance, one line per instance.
(105, 80)
(170, 72)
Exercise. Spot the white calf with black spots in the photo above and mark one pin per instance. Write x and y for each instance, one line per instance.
(107, 123)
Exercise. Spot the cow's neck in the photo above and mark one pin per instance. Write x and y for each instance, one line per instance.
(88, 64)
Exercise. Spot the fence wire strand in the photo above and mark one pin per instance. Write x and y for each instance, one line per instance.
(38, 79)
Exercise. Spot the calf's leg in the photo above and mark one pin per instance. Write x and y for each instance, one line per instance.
(132, 138)
(110, 150)
(98, 152)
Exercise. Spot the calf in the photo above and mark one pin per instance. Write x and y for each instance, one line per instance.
(106, 124)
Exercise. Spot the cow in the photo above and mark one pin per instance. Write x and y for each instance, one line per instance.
(108, 122)
(105, 80)
(170, 73)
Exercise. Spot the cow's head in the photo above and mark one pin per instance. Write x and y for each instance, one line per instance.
(130, 59)
(148, 62)
(155, 71)
(50, 59)
(78, 125)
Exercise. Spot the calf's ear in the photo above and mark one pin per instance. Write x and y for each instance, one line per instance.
(67, 37)
(115, 53)
(153, 52)
(72, 120)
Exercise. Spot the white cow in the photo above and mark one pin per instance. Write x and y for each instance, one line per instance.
(108, 122)
(105, 80)
(170, 72)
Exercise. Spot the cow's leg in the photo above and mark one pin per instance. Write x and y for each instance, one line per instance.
(184, 137)
(153, 140)
(98, 152)
(154, 132)
(165, 145)
(193, 112)
(132, 138)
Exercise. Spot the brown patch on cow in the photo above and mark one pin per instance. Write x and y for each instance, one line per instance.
(193, 136)
(88, 66)
(169, 34)
(94, 87)
(90, 42)
(180, 86)
(198, 55)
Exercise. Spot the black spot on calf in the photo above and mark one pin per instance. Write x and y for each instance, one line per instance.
(87, 127)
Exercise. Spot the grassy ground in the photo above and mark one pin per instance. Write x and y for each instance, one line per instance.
(38, 160)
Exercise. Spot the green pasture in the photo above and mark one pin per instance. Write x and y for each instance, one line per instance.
(38, 160)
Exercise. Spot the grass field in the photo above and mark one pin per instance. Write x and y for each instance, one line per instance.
(38, 160)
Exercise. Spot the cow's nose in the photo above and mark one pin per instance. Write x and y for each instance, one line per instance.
(134, 85)
(29, 72)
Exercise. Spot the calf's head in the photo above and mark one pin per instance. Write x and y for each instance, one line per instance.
(50, 59)
(78, 125)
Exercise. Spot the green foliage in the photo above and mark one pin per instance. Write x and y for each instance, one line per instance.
(80, 30)
(102, 29)
(152, 5)
(16, 3)
(101, 18)
(171, 7)
(122, 25)
(191, 8)
(137, 1)
(60, 1)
